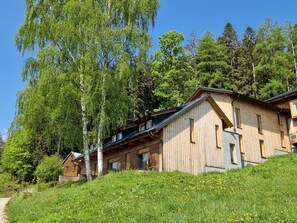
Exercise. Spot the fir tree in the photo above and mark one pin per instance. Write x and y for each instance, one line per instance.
(212, 63)
(246, 80)
(229, 40)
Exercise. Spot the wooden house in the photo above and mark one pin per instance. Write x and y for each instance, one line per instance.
(214, 130)
(70, 169)
(288, 100)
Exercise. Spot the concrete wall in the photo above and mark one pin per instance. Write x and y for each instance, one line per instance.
(228, 138)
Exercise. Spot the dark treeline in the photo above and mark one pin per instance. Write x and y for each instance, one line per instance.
(48, 120)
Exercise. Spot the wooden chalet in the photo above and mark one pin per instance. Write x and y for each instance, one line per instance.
(214, 130)
(71, 171)
(288, 100)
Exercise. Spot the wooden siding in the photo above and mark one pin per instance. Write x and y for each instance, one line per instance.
(128, 155)
(69, 168)
(182, 155)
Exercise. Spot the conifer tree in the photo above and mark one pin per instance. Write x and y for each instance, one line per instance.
(212, 63)
(246, 80)
(229, 40)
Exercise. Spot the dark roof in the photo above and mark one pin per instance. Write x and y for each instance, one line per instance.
(200, 90)
(167, 119)
(282, 96)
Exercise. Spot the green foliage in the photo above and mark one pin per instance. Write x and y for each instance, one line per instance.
(211, 61)
(246, 80)
(172, 73)
(16, 159)
(49, 169)
(7, 185)
(264, 193)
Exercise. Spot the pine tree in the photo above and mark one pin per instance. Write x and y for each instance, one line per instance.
(246, 80)
(229, 40)
(212, 65)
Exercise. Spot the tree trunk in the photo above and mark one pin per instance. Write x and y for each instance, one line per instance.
(294, 59)
(85, 131)
(101, 128)
(254, 81)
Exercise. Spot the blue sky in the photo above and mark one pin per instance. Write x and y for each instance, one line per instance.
(183, 16)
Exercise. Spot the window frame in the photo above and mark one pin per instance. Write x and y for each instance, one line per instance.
(218, 137)
(110, 166)
(192, 130)
(259, 124)
(293, 109)
(263, 149)
(119, 136)
(140, 161)
(238, 118)
(241, 144)
(147, 125)
(282, 135)
(233, 154)
(141, 127)
(113, 138)
(279, 119)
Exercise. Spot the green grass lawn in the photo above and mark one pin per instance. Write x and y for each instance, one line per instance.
(264, 193)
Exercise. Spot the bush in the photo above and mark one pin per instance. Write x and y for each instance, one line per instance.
(7, 185)
(16, 159)
(49, 169)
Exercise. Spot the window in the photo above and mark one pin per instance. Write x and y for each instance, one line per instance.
(241, 144)
(149, 124)
(66, 168)
(259, 122)
(237, 117)
(114, 166)
(293, 108)
(263, 149)
(282, 139)
(144, 161)
(279, 118)
(233, 154)
(218, 136)
(114, 138)
(192, 131)
(119, 136)
(141, 127)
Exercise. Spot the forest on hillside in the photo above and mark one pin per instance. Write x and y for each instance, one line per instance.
(90, 73)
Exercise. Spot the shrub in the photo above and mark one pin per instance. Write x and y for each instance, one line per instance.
(16, 157)
(49, 169)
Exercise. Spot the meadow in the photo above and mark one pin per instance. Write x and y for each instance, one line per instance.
(263, 193)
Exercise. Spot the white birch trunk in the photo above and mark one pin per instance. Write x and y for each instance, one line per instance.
(85, 131)
(101, 129)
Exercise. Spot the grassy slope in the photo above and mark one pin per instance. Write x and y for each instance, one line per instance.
(265, 193)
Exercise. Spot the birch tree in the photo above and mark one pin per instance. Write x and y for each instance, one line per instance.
(93, 42)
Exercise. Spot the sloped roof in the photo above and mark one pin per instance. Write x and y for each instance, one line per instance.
(282, 96)
(176, 114)
(200, 90)
(75, 154)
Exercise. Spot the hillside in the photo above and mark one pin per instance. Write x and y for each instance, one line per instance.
(265, 193)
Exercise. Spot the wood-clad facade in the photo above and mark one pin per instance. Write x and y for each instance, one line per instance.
(214, 130)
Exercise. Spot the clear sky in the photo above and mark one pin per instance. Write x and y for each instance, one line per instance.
(183, 16)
